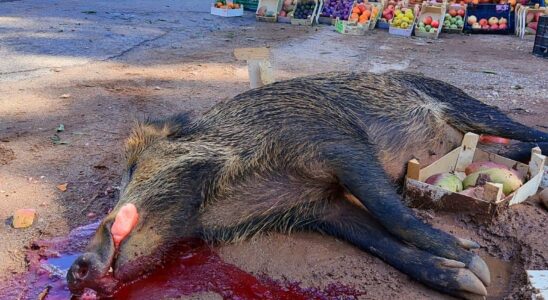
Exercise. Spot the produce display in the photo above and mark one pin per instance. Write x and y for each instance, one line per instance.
(477, 175)
(287, 8)
(428, 24)
(390, 10)
(304, 9)
(492, 24)
(224, 5)
(454, 19)
(362, 13)
(337, 9)
(403, 18)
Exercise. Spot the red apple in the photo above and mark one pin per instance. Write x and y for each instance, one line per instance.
(460, 12)
(435, 24)
(427, 20)
(483, 22)
(485, 26)
(494, 27)
(453, 12)
(503, 26)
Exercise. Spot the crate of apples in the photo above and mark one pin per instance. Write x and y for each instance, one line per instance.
(492, 24)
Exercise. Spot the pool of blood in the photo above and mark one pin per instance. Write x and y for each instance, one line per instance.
(194, 268)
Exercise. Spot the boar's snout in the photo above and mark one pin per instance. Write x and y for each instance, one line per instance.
(89, 271)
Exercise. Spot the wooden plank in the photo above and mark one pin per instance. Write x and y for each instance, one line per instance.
(538, 279)
(466, 156)
(536, 169)
(444, 164)
(413, 169)
(252, 53)
(267, 75)
(492, 192)
(536, 164)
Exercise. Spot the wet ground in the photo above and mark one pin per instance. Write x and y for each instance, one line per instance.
(96, 66)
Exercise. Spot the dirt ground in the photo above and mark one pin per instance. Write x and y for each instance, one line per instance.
(95, 68)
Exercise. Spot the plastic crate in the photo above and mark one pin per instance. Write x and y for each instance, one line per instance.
(541, 39)
(311, 18)
(272, 6)
(249, 4)
(486, 11)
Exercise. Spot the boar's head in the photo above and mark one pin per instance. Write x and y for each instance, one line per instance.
(160, 197)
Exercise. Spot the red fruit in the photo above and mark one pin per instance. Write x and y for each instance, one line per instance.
(460, 12)
(483, 22)
(494, 27)
(533, 25)
(427, 20)
(503, 26)
(435, 24)
(485, 26)
(452, 12)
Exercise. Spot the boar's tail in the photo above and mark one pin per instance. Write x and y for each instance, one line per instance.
(471, 115)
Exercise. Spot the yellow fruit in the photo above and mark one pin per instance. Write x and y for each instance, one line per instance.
(405, 19)
(396, 22)
(404, 25)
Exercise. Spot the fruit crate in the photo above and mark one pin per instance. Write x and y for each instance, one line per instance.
(521, 25)
(434, 11)
(540, 47)
(227, 12)
(314, 14)
(456, 7)
(485, 205)
(329, 17)
(403, 31)
(350, 28)
(269, 10)
(486, 11)
(381, 24)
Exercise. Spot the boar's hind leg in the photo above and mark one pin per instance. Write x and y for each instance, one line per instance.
(359, 171)
(354, 225)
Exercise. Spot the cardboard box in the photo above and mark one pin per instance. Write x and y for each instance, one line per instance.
(422, 195)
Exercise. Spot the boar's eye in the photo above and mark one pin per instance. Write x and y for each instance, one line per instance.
(131, 170)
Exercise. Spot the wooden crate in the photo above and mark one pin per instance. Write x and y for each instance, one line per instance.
(437, 12)
(422, 195)
(310, 20)
(273, 6)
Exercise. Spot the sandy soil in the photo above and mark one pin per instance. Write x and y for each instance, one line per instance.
(176, 69)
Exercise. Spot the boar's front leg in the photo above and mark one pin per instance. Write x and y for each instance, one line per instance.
(360, 172)
(356, 226)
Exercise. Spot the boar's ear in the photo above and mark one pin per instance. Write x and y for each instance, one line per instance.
(149, 131)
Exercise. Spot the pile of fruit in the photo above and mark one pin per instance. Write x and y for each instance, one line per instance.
(531, 22)
(264, 12)
(337, 8)
(477, 175)
(428, 25)
(454, 19)
(304, 9)
(403, 18)
(287, 8)
(224, 5)
(362, 13)
(493, 23)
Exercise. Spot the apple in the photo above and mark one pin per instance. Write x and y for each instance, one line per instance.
(503, 26)
(435, 23)
(503, 21)
(483, 22)
(460, 12)
(476, 26)
(472, 20)
(494, 27)
(427, 20)
(493, 21)
(485, 26)
(452, 12)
